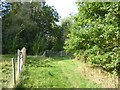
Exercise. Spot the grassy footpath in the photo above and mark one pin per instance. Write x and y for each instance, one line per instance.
(57, 72)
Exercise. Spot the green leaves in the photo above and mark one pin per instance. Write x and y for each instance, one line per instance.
(96, 29)
(32, 26)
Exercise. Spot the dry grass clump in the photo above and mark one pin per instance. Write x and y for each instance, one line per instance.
(99, 76)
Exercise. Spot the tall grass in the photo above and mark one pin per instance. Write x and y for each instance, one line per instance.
(6, 65)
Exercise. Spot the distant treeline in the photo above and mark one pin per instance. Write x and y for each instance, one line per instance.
(31, 25)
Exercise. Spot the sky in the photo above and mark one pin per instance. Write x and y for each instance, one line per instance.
(63, 7)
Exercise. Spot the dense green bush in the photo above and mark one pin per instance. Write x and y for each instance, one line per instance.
(108, 61)
(95, 34)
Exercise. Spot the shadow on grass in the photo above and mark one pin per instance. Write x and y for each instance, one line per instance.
(43, 60)
(61, 58)
(24, 76)
(36, 62)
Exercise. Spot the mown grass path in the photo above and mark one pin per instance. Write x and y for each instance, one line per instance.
(56, 72)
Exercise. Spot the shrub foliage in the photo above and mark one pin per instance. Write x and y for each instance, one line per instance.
(95, 33)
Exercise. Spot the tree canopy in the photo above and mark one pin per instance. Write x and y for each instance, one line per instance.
(33, 26)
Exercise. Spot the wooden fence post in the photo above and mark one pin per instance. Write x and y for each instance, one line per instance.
(24, 54)
(18, 68)
(13, 69)
(21, 60)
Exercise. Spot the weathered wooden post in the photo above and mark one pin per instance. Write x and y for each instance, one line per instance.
(18, 58)
(21, 60)
(24, 54)
(13, 69)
